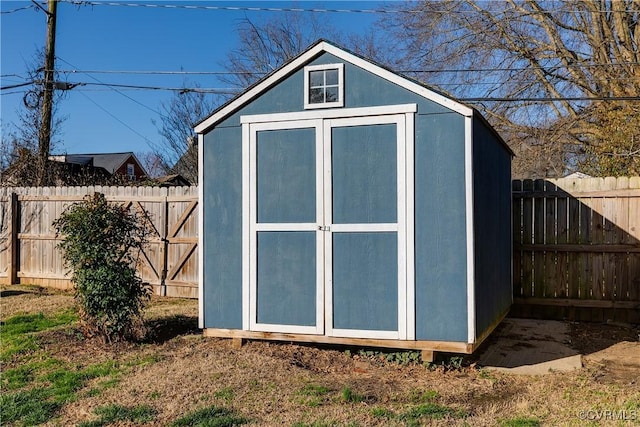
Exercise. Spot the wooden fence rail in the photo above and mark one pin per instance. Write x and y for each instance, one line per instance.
(28, 252)
(577, 248)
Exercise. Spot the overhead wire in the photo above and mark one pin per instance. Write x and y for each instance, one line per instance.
(433, 71)
(6, 12)
(231, 91)
(114, 86)
(117, 91)
(17, 85)
(149, 142)
(314, 10)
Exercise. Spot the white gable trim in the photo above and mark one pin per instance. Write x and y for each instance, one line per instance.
(345, 56)
(399, 80)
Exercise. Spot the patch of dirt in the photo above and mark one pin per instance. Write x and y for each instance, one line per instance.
(176, 371)
(610, 351)
(21, 299)
(591, 337)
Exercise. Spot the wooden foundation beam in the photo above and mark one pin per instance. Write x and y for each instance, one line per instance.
(428, 356)
(434, 346)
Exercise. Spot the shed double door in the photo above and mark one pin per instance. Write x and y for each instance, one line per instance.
(326, 234)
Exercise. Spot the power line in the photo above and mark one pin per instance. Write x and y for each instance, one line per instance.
(14, 92)
(231, 8)
(446, 70)
(17, 85)
(223, 91)
(31, 6)
(552, 99)
(231, 91)
(160, 72)
(117, 91)
(149, 142)
(316, 10)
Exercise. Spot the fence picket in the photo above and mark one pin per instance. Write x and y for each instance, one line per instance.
(590, 248)
(38, 261)
(576, 241)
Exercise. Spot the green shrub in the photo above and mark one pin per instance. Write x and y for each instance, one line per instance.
(100, 246)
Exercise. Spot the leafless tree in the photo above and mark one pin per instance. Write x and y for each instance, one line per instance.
(19, 148)
(546, 65)
(153, 164)
(265, 45)
(178, 149)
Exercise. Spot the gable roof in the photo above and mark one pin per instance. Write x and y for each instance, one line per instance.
(110, 162)
(314, 50)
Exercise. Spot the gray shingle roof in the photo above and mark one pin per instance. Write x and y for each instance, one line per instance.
(110, 162)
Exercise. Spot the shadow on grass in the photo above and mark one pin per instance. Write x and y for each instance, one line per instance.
(12, 293)
(166, 328)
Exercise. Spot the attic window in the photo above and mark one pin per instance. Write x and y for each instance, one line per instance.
(131, 171)
(324, 86)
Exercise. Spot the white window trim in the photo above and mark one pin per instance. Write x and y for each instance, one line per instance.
(324, 67)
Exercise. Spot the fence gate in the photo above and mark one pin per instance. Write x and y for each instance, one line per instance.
(168, 262)
(181, 274)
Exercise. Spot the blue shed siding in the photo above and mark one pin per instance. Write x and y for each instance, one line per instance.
(223, 229)
(492, 217)
(362, 89)
(286, 282)
(365, 298)
(286, 176)
(440, 238)
(364, 174)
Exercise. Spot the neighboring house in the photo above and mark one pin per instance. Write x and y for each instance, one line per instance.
(113, 164)
(173, 180)
(577, 175)
(187, 164)
(343, 203)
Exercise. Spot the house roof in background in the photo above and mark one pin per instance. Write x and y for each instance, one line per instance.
(110, 162)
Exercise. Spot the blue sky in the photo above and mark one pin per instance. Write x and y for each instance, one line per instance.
(103, 37)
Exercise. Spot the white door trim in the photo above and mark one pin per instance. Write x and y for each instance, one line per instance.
(251, 227)
(403, 117)
(399, 226)
(339, 113)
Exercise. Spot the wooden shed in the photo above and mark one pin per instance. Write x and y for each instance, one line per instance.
(344, 203)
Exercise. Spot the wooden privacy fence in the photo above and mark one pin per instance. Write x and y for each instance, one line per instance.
(168, 262)
(577, 248)
(576, 243)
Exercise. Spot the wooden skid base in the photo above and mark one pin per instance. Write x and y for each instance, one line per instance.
(428, 348)
(424, 346)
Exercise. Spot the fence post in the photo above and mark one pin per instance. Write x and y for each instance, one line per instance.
(14, 243)
(164, 268)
